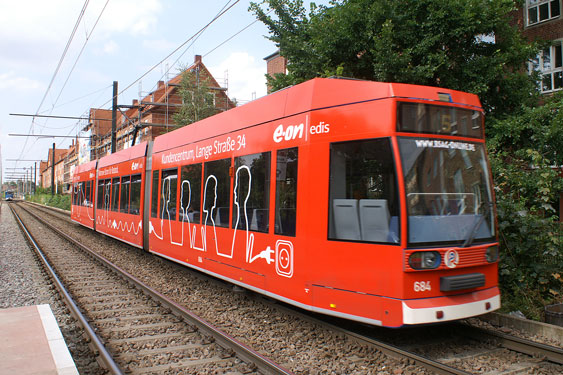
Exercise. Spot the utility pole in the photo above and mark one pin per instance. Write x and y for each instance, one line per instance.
(53, 171)
(35, 178)
(114, 118)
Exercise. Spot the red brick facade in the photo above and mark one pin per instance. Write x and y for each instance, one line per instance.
(151, 116)
(275, 63)
(547, 30)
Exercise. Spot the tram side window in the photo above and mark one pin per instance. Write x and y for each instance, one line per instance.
(79, 192)
(115, 194)
(286, 191)
(88, 198)
(190, 193)
(100, 197)
(363, 200)
(169, 190)
(124, 199)
(74, 193)
(154, 194)
(251, 196)
(135, 205)
(83, 196)
(217, 193)
(107, 195)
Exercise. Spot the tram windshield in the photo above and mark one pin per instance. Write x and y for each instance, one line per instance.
(448, 191)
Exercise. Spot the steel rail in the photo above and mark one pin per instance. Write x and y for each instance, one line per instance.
(263, 364)
(550, 353)
(103, 354)
(517, 344)
(390, 350)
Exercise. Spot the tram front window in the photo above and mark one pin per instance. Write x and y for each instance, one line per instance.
(449, 198)
(364, 203)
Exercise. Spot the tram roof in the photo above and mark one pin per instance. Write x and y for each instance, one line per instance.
(312, 95)
(130, 153)
(86, 167)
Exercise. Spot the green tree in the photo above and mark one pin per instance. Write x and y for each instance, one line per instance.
(467, 45)
(523, 149)
(464, 45)
(197, 98)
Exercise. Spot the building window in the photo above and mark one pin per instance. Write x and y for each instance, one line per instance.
(549, 63)
(542, 10)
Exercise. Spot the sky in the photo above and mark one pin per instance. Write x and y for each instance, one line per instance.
(115, 40)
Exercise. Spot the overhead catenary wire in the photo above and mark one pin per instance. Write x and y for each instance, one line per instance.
(79, 20)
(61, 59)
(219, 15)
(191, 44)
(232, 36)
(80, 53)
(228, 6)
(78, 98)
(63, 54)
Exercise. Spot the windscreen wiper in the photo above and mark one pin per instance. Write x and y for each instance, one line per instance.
(476, 225)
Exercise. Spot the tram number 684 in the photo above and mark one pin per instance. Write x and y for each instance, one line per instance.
(421, 286)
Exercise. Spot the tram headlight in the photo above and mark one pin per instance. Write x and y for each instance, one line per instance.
(425, 260)
(492, 254)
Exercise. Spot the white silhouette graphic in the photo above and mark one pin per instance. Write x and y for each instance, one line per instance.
(114, 224)
(283, 253)
(249, 236)
(82, 198)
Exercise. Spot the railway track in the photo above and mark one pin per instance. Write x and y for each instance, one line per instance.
(444, 349)
(136, 329)
(455, 348)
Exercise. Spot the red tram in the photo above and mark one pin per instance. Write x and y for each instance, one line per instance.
(83, 187)
(119, 212)
(363, 200)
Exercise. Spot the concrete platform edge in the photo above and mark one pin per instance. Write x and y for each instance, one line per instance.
(59, 350)
(549, 331)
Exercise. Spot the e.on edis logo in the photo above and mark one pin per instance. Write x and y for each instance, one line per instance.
(292, 132)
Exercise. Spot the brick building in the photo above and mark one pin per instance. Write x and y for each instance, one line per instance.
(151, 116)
(542, 20)
(46, 169)
(275, 64)
(69, 164)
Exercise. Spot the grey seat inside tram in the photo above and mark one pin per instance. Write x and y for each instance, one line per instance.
(374, 220)
(363, 220)
(346, 219)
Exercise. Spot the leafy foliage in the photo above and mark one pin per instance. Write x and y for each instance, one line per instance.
(43, 196)
(464, 45)
(530, 235)
(523, 150)
(197, 99)
(467, 45)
